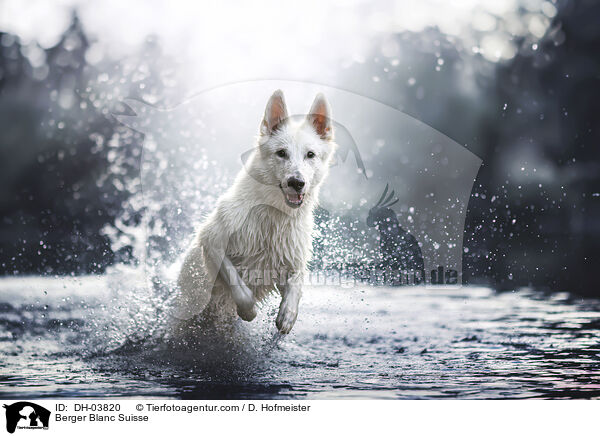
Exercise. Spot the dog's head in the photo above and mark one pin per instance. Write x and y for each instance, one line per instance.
(295, 154)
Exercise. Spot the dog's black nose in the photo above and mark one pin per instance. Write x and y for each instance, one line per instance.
(295, 183)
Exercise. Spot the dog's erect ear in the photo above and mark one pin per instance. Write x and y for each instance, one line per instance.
(320, 117)
(275, 113)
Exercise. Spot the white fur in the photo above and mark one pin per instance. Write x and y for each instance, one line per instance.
(254, 230)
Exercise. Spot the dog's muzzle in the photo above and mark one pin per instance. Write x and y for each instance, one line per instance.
(292, 199)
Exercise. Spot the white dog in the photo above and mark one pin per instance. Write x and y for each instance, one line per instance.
(259, 237)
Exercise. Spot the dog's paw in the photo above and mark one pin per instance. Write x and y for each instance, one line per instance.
(246, 313)
(286, 318)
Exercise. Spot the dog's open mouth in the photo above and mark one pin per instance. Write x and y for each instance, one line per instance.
(292, 199)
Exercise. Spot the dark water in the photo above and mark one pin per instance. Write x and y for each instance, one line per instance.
(87, 338)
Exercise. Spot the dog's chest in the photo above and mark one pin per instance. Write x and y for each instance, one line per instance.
(269, 241)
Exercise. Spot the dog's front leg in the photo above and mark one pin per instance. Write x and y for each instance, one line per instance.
(288, 309)
(241, 294)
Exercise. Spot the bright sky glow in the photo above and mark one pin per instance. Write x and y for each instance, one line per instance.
(271, 39)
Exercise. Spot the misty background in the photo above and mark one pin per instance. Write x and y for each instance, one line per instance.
(516, 83)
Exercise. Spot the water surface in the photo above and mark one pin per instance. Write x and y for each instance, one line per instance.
(95, 337)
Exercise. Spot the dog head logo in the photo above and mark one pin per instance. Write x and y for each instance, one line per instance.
(26, 415)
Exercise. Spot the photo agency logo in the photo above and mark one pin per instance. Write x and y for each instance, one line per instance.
(391, 210)
(25, 415)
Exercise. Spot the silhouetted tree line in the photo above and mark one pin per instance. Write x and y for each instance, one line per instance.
(543, 229)
(534, 214)
(62, 179)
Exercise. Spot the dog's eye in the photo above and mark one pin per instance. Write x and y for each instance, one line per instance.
(281, 153)
(310, 154)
